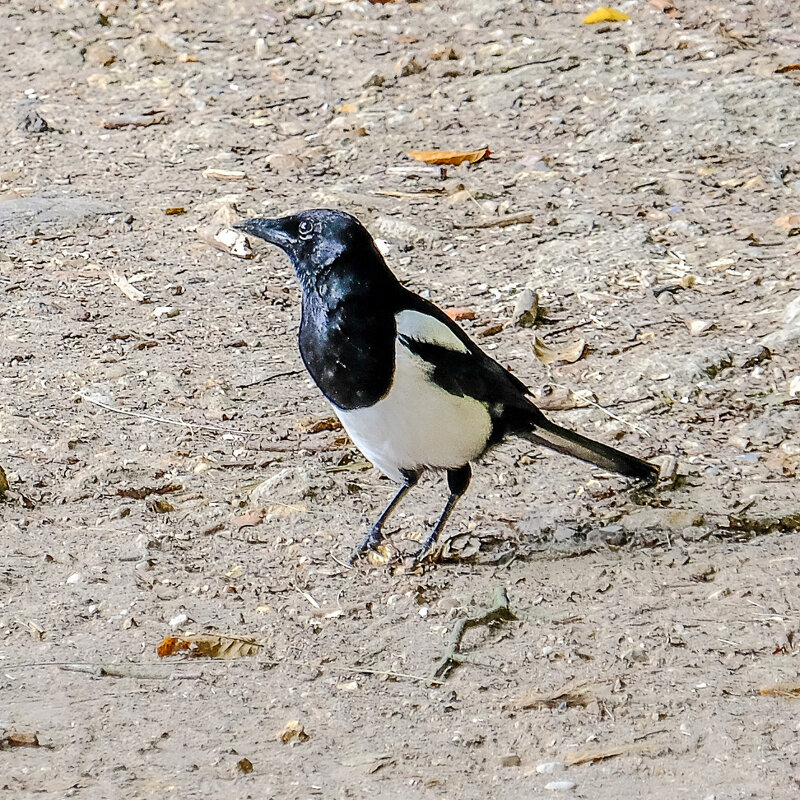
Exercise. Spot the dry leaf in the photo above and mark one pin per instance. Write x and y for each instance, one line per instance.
(16, 739)
(133, 121)
(460, 313)
(249, 519)
(561, 398)
(209, 646)
(574, 693)
(569, 353)
(379, 556)
(244, 765)
(588, 754)
(3, 483)
(125, 286)
(219, 233)
(788, 691)
(170, 212)
(317, 424)
(605, 14)
(788, 68)
(450, 157)
(293, 732)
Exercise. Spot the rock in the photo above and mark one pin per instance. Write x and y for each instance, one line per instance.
(49, 213)
(789, 334)
(549, 767)
(408, 65)
(100, 54)
(34, 122)
(560, 786)
(374, 79)
(280, 162)
(526, 309)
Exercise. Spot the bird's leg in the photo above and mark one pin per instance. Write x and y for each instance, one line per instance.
(457, 481)
(410, 478)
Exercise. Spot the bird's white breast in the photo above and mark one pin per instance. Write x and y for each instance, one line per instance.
(417, 424)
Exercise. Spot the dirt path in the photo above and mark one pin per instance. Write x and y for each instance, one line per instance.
(150, 383)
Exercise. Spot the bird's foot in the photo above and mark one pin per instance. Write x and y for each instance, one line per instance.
(370, 540)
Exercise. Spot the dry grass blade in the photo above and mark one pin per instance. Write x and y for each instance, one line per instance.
(788, 691)
(587, 754)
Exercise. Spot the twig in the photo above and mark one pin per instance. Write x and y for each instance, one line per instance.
(166, 420)
(499, 222)
(111, 671)
(276, 447)
(499, 611)
(389, 674)
(631, 425)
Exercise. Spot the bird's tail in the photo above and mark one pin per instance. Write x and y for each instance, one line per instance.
(544, 432)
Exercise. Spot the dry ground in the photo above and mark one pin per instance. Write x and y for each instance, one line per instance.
(656, 163)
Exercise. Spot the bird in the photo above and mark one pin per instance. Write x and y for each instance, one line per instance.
(410, 387)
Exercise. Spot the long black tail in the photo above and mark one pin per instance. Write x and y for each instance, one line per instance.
(562, 440)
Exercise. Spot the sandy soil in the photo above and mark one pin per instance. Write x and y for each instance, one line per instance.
(171, 470)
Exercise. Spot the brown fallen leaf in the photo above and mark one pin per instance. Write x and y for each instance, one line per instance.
(18, 739)
(787, 691)
(605, 14)
(575, 693)
(568, 353)
(587, 754)
(209, 645)
(3, 483)
(145, 491)
(450, 157)
(491, 330)
(249, 519)
(176, 210)
(317, 424)
(244, 765)
(460, 313)
(293, 733)
(788, 68)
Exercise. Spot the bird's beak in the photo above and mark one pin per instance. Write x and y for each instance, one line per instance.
(270, 230)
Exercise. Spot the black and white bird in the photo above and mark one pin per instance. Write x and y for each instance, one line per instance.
(412, 390)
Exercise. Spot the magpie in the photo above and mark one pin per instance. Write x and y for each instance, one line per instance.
(411, 389)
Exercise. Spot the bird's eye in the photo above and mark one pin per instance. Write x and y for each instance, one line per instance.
(305, 229)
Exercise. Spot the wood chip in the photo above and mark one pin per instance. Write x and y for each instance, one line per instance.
(588, 754)
(125, 286)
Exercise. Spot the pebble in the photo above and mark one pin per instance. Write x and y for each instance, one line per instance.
(180, 619)
(76, 577)
(549, 767)
(560, 786)
(526, 309)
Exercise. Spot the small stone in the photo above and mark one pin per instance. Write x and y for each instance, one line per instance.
(100, 54)
(76, 577)
(374, 79)
(510, 761)
(408, 65)
(549, 767)
(526, 309)
(280, 162)
(155, 48)
(177, 621)
(560, 786)
(34, 122)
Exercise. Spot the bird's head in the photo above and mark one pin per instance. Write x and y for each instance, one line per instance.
(321, 241)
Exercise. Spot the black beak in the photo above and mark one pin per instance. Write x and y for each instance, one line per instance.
(270, 230)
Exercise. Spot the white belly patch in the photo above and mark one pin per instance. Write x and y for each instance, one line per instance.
(417, 424)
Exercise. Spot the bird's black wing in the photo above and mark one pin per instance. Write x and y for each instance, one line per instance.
(468, 372)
